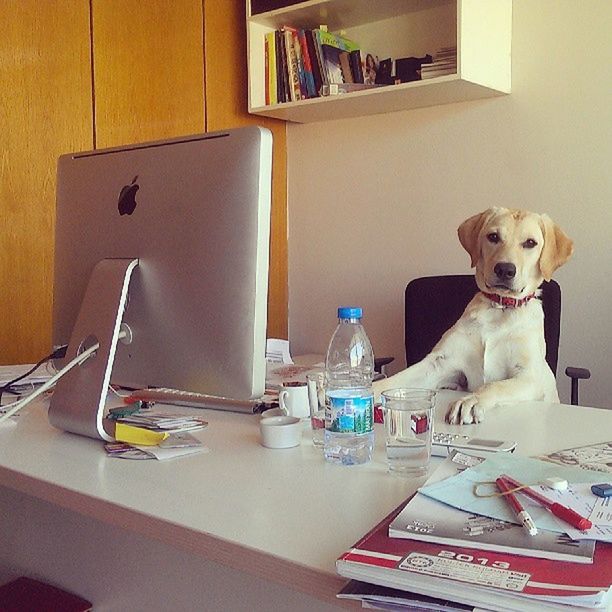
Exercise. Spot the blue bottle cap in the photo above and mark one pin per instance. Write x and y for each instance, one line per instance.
(350, 312)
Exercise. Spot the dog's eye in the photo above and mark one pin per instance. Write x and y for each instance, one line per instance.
(493, 237)
(529, 243)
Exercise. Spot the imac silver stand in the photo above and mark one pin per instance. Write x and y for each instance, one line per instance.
(79, 399)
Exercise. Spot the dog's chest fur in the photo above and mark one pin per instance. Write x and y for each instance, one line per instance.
(497, 337)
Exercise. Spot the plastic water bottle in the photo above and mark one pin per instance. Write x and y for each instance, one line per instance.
(349, 406)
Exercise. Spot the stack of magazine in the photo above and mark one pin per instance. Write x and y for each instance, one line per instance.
(445, 62)
(426, 548)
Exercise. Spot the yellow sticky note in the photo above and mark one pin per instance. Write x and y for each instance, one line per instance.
(138, 435)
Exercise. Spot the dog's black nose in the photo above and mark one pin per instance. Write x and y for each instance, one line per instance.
(505, 270)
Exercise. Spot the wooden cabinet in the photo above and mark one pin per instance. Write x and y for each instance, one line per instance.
(480, 29)
(148, 70)
(45, 102)
(79, 75)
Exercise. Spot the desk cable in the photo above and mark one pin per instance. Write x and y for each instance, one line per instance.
(10, 409)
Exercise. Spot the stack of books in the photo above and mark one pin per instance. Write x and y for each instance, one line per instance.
(299, 63)
(433, 549)
(445, 62)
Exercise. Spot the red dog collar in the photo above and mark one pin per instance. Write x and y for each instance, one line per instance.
(508, 302)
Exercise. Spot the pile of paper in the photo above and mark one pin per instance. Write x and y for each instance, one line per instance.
(174, 445)
(41, 375)
(453, 541)
(164, 422)
(445, 62)
(151, 434)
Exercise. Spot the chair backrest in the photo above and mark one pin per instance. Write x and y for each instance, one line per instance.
(434, 303)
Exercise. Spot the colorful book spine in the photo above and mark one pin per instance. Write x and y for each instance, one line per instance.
(281, 63)
(271, 85)
(299, 62)
(293, 76)
(314, 53)
(311, 91)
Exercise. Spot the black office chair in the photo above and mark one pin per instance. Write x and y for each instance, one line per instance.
(433, 303)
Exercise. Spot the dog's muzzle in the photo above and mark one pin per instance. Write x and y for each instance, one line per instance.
(505, 272)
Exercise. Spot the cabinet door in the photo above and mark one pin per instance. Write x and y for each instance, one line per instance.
(45, 110)
(148, 70)
(226, 107)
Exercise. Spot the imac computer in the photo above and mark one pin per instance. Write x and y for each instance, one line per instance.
(161, 258)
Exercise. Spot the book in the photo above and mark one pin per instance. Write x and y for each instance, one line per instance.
(444, 62)
(330, 47)
(335, 40)
(297, 50)
(311, 91)
(331, 64)
(473, 577)
(596, 457)
(437, 73)
(315, 61)
(424, 518)
(356, 65)
(271, 88)
(382, 598)
(266, 71)
(293, 76)
(281, 68)
(345, 65)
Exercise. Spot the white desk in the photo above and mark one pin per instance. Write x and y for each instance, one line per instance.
(241, 527)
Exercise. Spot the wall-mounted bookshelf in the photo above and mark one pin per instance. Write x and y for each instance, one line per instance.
(480, 30)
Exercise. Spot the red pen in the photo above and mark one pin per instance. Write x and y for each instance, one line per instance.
(559, 510)
(521, 514)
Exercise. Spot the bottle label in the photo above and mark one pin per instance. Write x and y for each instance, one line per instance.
(349, 414)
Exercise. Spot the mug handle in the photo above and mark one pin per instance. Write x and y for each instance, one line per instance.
(281, 401)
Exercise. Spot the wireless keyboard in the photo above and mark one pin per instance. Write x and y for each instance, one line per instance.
(197, 400)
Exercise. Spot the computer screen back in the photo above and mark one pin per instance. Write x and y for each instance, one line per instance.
(195, 211)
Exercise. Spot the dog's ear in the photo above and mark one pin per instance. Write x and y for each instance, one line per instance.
(557, 249)
(469, 231)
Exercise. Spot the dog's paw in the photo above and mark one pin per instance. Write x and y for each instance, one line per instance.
(465, 411)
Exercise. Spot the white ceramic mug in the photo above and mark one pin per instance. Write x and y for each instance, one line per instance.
(293, 399)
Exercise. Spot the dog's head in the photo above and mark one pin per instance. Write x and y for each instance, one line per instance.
(513, 250)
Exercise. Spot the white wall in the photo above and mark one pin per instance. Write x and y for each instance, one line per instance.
(375, 201)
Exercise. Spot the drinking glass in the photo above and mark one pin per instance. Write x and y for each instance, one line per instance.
(408, 418)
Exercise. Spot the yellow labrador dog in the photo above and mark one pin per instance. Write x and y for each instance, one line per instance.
(496, 350)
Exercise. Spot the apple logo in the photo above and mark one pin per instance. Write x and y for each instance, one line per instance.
(127, 197)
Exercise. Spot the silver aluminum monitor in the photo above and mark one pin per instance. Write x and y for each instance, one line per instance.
(195, 212)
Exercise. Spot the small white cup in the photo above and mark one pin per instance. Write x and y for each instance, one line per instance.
(272, 412)
(280, 431)
(293, 399)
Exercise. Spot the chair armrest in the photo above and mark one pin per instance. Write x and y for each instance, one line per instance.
(381, 362)
(576, 374)
(581, 373)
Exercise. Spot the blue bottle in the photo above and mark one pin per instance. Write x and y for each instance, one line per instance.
(349, 410)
